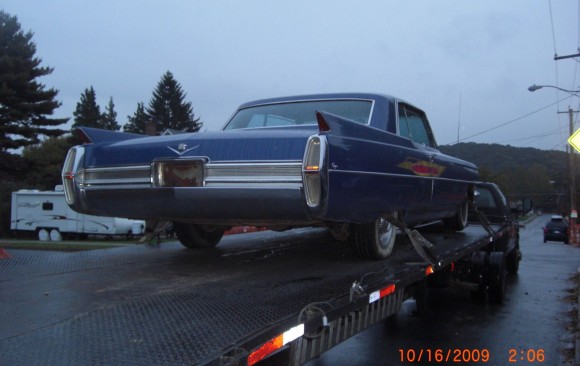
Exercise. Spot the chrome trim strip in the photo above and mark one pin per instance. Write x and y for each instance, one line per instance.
(253, 172)
(230, 174)
(305, 100)
(398, 175)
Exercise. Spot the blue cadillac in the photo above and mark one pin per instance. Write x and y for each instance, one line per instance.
(355, 163)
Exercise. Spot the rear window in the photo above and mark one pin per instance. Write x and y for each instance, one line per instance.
(484, 199)
(299, 113)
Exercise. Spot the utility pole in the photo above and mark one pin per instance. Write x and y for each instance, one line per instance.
(572, 166)
(573, 212)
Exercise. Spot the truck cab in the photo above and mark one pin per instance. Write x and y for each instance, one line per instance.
(495, 207)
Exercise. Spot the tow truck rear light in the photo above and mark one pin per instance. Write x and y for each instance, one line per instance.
(275, 344)
(379, 294)
(429, 271)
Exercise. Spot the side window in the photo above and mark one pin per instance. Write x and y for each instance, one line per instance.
(403, 125)
(414, 125)
(47, 206)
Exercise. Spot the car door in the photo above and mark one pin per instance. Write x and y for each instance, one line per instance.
(413, 125)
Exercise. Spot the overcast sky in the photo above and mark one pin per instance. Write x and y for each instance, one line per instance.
(468, 64)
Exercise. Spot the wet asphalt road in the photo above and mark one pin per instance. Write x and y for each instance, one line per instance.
(530, 328)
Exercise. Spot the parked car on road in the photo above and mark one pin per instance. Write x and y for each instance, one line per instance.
(556, 230)
(352, 162)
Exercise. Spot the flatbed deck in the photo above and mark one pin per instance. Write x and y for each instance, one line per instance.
(169, 305)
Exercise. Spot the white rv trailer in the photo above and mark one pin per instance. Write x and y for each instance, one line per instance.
(47, 213)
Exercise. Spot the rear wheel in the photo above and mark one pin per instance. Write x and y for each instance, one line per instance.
(198, 236)
(459, 221)
(497, 277)
(375, 240)
(477, 271)
(513, 261)
(55, 235)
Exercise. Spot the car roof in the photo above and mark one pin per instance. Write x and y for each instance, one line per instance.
(373, 96)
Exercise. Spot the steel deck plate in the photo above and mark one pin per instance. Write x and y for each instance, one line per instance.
(142, 305)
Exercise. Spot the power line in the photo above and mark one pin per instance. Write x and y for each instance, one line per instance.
(542, 135)
(553, 31)
(512, 121)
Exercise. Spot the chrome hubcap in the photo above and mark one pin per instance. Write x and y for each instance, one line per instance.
(385, 232)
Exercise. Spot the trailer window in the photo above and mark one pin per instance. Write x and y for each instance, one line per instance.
(47, 206)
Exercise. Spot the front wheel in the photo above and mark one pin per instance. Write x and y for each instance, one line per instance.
(375, 240)
(513, 261)
(198, 236)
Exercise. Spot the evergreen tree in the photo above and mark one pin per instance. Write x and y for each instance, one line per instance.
(109, 118)
(25, 103)
(88, 112)
(44, 162)
(137, 121)
(168, 107)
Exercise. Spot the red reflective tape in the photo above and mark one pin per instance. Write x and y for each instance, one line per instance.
(275, 344)
(387, 290)
(265, 350)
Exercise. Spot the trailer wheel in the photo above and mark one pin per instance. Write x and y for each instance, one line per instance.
(375, 240)
(43, 235)
(198, 236)
(459, 221)
(497, 277)
(55, 235)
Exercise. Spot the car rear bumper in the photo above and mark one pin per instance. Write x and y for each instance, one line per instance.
(556, 237)
(203, 205)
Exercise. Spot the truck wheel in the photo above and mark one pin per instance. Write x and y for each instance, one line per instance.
(459, 221)
(497, 277)
(198, 236)
(477, 271)
(375, 240)
(513, 261)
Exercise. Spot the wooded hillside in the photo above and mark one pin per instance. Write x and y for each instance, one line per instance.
(519, 171)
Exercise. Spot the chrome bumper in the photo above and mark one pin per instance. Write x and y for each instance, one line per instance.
(231, 192)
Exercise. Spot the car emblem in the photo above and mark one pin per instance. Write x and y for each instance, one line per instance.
(181, 149)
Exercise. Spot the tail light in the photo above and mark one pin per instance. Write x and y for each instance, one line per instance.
(312, 169)
(70, 174)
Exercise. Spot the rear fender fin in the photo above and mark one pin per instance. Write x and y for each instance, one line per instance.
(95, 135)
(340, 126)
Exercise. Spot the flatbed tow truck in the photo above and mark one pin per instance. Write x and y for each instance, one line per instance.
(258, 298)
